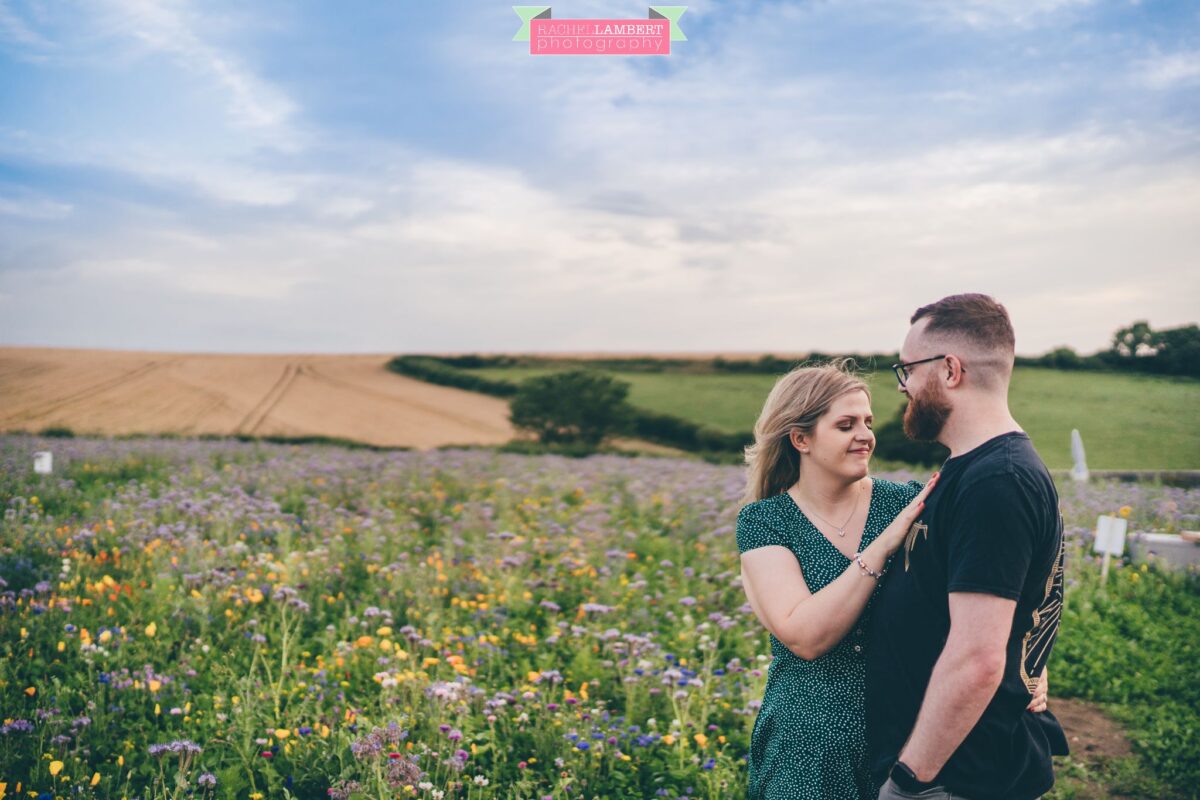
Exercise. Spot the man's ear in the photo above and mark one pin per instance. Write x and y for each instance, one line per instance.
(954, 371)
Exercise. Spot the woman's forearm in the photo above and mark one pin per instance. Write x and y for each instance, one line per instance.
(821, 620)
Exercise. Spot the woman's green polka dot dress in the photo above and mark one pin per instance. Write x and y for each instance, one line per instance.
(809, 739)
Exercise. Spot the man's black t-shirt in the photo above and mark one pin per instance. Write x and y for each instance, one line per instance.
(991, 525)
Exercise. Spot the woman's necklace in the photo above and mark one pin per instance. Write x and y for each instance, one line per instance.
(841, 529)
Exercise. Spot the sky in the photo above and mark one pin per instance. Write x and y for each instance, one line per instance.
(297, 176)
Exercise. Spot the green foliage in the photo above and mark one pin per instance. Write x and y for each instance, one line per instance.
(577, 406)
(1171, 351)
(57, 432)
(685, 434)
(1128, 421)
(1135, 348)
(1133, 645)
(444, 373)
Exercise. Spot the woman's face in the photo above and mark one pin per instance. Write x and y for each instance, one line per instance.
(842, 440)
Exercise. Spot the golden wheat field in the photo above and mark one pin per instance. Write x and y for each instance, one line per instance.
(350, 396)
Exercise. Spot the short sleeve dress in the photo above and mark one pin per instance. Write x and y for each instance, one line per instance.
(809, 738)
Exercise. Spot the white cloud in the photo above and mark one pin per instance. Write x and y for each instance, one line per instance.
(984, 14)
(174, 27)
(15, 30)
(1169, 71)
(33, 207)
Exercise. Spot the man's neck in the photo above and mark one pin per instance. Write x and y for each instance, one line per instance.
(971, 424)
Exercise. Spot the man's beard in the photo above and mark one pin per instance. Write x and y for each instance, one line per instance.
(926, 414)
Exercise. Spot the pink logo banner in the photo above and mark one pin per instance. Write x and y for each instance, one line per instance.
(596, 37)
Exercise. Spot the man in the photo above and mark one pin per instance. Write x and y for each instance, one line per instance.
(970, 611)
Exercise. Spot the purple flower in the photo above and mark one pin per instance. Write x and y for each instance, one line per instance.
(180, 746)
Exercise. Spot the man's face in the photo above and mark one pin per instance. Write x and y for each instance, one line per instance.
(928, 404)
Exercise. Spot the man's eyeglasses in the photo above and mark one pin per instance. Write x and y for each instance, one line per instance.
(902, 372)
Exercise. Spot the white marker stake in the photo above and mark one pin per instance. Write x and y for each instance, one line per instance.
(1079, 471)
(43, 462)
(1110, 540)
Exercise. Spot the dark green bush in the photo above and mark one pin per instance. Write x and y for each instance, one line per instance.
(577, 406)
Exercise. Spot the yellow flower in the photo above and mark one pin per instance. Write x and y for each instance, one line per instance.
(151, 629)
(282, 733)
(385, 631)
(56, 767)
(120, 761)
(155, 684)
(95, 778)
(701, 739)
(669, 739)
(105, 636)
(1125, 511)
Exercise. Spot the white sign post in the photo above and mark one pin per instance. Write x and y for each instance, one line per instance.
(1080, 470)
(1110, 540)
(43, 462)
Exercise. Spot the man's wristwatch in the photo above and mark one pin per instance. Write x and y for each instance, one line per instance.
(903, 776)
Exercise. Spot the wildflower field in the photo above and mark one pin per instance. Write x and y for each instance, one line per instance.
(220, 619)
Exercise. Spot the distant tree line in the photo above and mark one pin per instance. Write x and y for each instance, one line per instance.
(1136, 348)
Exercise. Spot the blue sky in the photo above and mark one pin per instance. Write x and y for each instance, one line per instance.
(386, 177)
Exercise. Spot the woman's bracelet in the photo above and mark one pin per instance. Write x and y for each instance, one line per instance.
(867, 570)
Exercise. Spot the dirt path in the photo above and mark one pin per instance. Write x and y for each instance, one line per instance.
(1091, 734)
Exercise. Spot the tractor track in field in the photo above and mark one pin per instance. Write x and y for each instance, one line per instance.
(263, 408)
(86, 394)
(311, 372)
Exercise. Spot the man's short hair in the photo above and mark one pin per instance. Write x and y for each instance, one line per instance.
(978, 322)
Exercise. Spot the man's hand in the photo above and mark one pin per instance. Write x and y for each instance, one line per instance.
(1040, 695)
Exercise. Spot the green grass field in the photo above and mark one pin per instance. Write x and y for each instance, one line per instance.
(1127, 421)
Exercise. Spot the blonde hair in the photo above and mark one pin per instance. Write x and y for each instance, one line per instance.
(796, 402)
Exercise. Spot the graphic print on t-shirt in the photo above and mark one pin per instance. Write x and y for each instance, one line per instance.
(918, 528)
(1035, 647)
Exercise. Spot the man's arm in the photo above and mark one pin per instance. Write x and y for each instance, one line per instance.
(964, 680)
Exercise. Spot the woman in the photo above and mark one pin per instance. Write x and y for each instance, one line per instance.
(816, 536)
